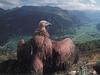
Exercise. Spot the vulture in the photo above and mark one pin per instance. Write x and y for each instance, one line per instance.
(32, 54)
(42, 47)
(24, 56)
(44, 55)
(54, 55)
(64, 54)
(20, 49)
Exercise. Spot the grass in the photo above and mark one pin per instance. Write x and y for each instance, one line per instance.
(86, 33)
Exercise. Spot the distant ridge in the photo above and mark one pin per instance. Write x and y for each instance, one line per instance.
(23, 21)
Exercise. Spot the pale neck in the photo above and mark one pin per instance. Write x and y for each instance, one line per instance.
(42, 29)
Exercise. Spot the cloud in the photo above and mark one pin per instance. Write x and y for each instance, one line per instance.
(78, 5)
(64, 4)
(93, 1)
(9, 3)
(76, 0)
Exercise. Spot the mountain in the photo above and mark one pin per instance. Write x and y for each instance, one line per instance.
(93, 15)
(79, 16)
(1, 11)
(24, 20)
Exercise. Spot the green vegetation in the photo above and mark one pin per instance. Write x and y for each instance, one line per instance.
(87, 38)
(89, 46)
(81, 34)
(86, 33)
(11, 45)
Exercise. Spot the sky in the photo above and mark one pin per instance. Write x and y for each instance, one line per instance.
(64, 4)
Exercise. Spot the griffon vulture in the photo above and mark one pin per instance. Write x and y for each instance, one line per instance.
(42, 45)
(24, 55)
(20, 50)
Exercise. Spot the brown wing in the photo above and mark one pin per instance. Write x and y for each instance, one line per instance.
(63, 49)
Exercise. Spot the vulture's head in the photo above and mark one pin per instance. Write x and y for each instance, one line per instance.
(21, 42)
(43, 24)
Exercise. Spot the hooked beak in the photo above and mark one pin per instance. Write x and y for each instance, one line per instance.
(49, 24)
